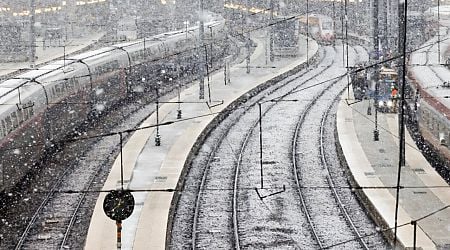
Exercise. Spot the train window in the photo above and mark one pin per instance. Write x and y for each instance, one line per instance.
(74, 82)
(30, 112)
(67, 85)
(58, 89)
(133, 56)
(15, 121)
(4, 128)
(20, 116)
(25, 114)
(8, 124)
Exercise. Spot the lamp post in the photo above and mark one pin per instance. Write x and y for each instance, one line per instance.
(158, 136)
(201, 60)
(334, 20)
(376, 49)
(186, 24)
(32, 52)
(307, 33)
(179, 100)
(402, 14)
(439, 31)
(271, 55)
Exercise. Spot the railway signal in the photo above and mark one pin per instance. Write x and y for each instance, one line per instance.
(118, 205)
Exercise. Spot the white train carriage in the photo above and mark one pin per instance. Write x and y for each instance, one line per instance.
(320, 27)
(44, 106)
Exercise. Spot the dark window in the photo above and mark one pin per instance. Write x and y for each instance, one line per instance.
(15, 122)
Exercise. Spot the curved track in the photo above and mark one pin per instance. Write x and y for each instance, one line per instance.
(238, 204)
(53, 221)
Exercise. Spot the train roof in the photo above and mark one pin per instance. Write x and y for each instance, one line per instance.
(387, 71)
(93, 53)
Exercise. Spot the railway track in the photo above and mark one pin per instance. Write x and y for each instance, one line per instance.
(232, 208)
(211, 158)
(52, 222)
(59, 213)
(318, 163)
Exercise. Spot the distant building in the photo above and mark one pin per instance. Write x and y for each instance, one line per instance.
(12, 47)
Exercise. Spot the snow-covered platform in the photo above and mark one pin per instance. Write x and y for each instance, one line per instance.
(374, 166)
(46, 54)
(147, 166)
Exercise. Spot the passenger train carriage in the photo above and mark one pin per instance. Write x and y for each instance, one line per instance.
(45, 105)
(320, 27)
(429, 102)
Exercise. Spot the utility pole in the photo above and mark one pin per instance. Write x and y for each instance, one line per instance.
(334, 20)
(402, 12)
(32, 52)
(307, 33)
(439, 31)
(342, 27)
(200, 54)
(271, 32)
(386, 31)
(376, 49)
(401, 71)
(248, 41)
(346, 48)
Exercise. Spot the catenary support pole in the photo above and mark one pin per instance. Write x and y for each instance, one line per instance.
(376, 53)
(402, 13)
(200, 53)
(32, 52)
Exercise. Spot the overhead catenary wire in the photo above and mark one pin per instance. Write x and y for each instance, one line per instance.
(167, 123)
(162, 124)
(120, 133)
(83, 138)
(353, 188)
(215, 40)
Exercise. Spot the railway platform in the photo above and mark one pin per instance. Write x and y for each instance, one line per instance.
(51, 52)
(424, 197)
(147, 166)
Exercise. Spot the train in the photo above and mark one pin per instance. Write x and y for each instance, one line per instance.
(319, 27)
(286, 30)
(429, 120)
(429, 110)
(386, 95)
(47, 105)
(431, 113)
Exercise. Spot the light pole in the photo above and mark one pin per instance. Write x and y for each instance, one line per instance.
(346, 48)
(402, 14)
(186, 24)
(334, 20)
(271, 55)
(200, 54)
(376, 49)
(32, 34)
(158, 136)
(307, 33)
(179, 101)
(439, 31)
